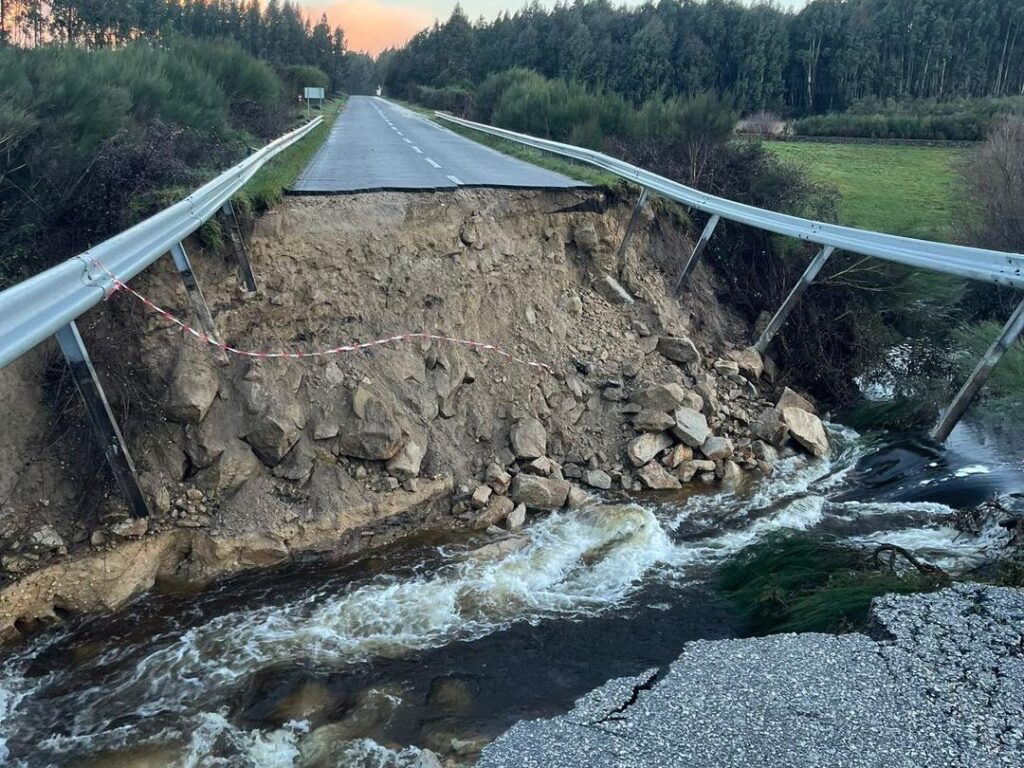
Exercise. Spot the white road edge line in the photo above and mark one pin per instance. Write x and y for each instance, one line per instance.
(432, 163)
(417, 149)
(454, 180)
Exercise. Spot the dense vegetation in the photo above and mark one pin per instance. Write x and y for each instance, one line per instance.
(827, 57)
(955, 120)
(791, 582)
(93, 140)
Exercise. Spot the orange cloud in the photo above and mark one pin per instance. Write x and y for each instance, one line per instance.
(371, 25)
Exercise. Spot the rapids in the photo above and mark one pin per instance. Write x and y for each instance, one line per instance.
(443, 642)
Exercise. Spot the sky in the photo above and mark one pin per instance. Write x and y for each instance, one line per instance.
(373, 25)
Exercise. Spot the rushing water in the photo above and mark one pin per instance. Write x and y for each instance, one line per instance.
(437, 643)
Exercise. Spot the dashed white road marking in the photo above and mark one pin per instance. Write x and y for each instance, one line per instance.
(432, 163)
(417, 149)
(408, 141)
(454, 180)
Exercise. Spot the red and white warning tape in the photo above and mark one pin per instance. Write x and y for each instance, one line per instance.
(119, 285)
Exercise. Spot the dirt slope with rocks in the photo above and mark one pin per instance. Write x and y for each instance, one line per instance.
(250, 462)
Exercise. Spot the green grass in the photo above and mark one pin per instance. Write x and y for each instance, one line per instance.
(900, 190)
(267, 187)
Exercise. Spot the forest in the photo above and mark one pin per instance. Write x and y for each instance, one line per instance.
(827, 57)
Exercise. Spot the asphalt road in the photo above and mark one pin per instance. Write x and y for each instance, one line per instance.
(377, 145)
(940, 686)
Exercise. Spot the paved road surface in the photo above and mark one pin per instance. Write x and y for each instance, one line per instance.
(379, 145)
(942, 686)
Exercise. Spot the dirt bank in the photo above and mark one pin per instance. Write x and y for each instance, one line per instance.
(249, 462)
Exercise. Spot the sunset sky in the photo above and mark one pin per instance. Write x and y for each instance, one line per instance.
(373, 25)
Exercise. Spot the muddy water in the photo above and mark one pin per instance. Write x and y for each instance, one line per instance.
(443, 642)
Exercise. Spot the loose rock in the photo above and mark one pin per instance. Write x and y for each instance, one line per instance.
(644, 448)
(807, 430)
(539, 492)
(657, 478)
(691, 427)
(679, 349)
(529, 438)
(597, 478)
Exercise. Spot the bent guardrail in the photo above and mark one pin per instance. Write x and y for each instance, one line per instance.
(996, 267)
(48, 304)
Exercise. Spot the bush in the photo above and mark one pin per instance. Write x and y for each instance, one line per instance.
(797, 583)
(90, 136)
(451, 98)
(298, 77)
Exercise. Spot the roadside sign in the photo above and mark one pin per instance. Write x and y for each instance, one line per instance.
(313, 93)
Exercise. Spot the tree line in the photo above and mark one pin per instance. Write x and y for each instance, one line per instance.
(275, 32)
(826, 57)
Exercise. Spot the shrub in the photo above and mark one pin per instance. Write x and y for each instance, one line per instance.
(298, 76)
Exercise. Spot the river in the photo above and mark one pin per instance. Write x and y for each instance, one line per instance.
(436, 643)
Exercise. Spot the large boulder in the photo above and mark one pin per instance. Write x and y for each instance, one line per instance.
(807, 430)
(649, 420)
(679, 349)
(539, 492)
(749, 361)
(691, 427)
(193, 386)
(661, 397)
(791, 399)
(647, 446)
(372, 432)
(406, 463)
(770, 427)
(657, 478)
(597, 478)
(276, 430)
(233, 467)
(529, 438)
(716, 448)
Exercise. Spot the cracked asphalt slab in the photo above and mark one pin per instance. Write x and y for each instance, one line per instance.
(376, 145)
(939, 682)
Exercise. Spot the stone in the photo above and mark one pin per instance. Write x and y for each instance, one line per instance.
(204, 442)
(497, 477)
(411, 484)
(45, 538)
(726, 367)
(657, 478)
(677, 456)
(539, 492)
(236, 464)
(749, 361)
(644, 448)
(660, 397)
(571, 303)
(598, 478)
(791, 399)
(732, 475)
(97, 538)
(686, 471)
(764, 452)
(193, 386)
(373, 432)
(703, 465)
(652, 421)
(516, 518)
(406, 463)
(275, 431)
(807, 430)
(679, 349)
(529, 438)
(297, 465)
(578, 498)
(691, 427)
(496, 511)
(770, 427)
(132, 528)
(585, 236)
(481, 495)
(716, 448)
(15, 564)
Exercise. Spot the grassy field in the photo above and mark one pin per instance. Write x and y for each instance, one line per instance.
(900, 190)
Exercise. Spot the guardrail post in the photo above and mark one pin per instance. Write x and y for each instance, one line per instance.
(794, 296)
(241, 253)
(633, 219)
(114, 449)
(195, 295)
(698, 251)
(1013, 328)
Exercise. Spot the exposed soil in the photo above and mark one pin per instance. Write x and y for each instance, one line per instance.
(250, 462)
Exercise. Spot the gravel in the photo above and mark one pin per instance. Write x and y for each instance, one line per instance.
(938, 681)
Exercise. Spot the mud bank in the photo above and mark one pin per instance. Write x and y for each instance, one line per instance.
(247, 462)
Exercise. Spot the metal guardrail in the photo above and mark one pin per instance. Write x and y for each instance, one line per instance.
(997, 267)
(971, 263)
(38, 307)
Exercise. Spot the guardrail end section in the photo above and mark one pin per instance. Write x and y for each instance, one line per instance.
(102, 418)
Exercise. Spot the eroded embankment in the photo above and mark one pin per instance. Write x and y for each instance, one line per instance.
(248, 462)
